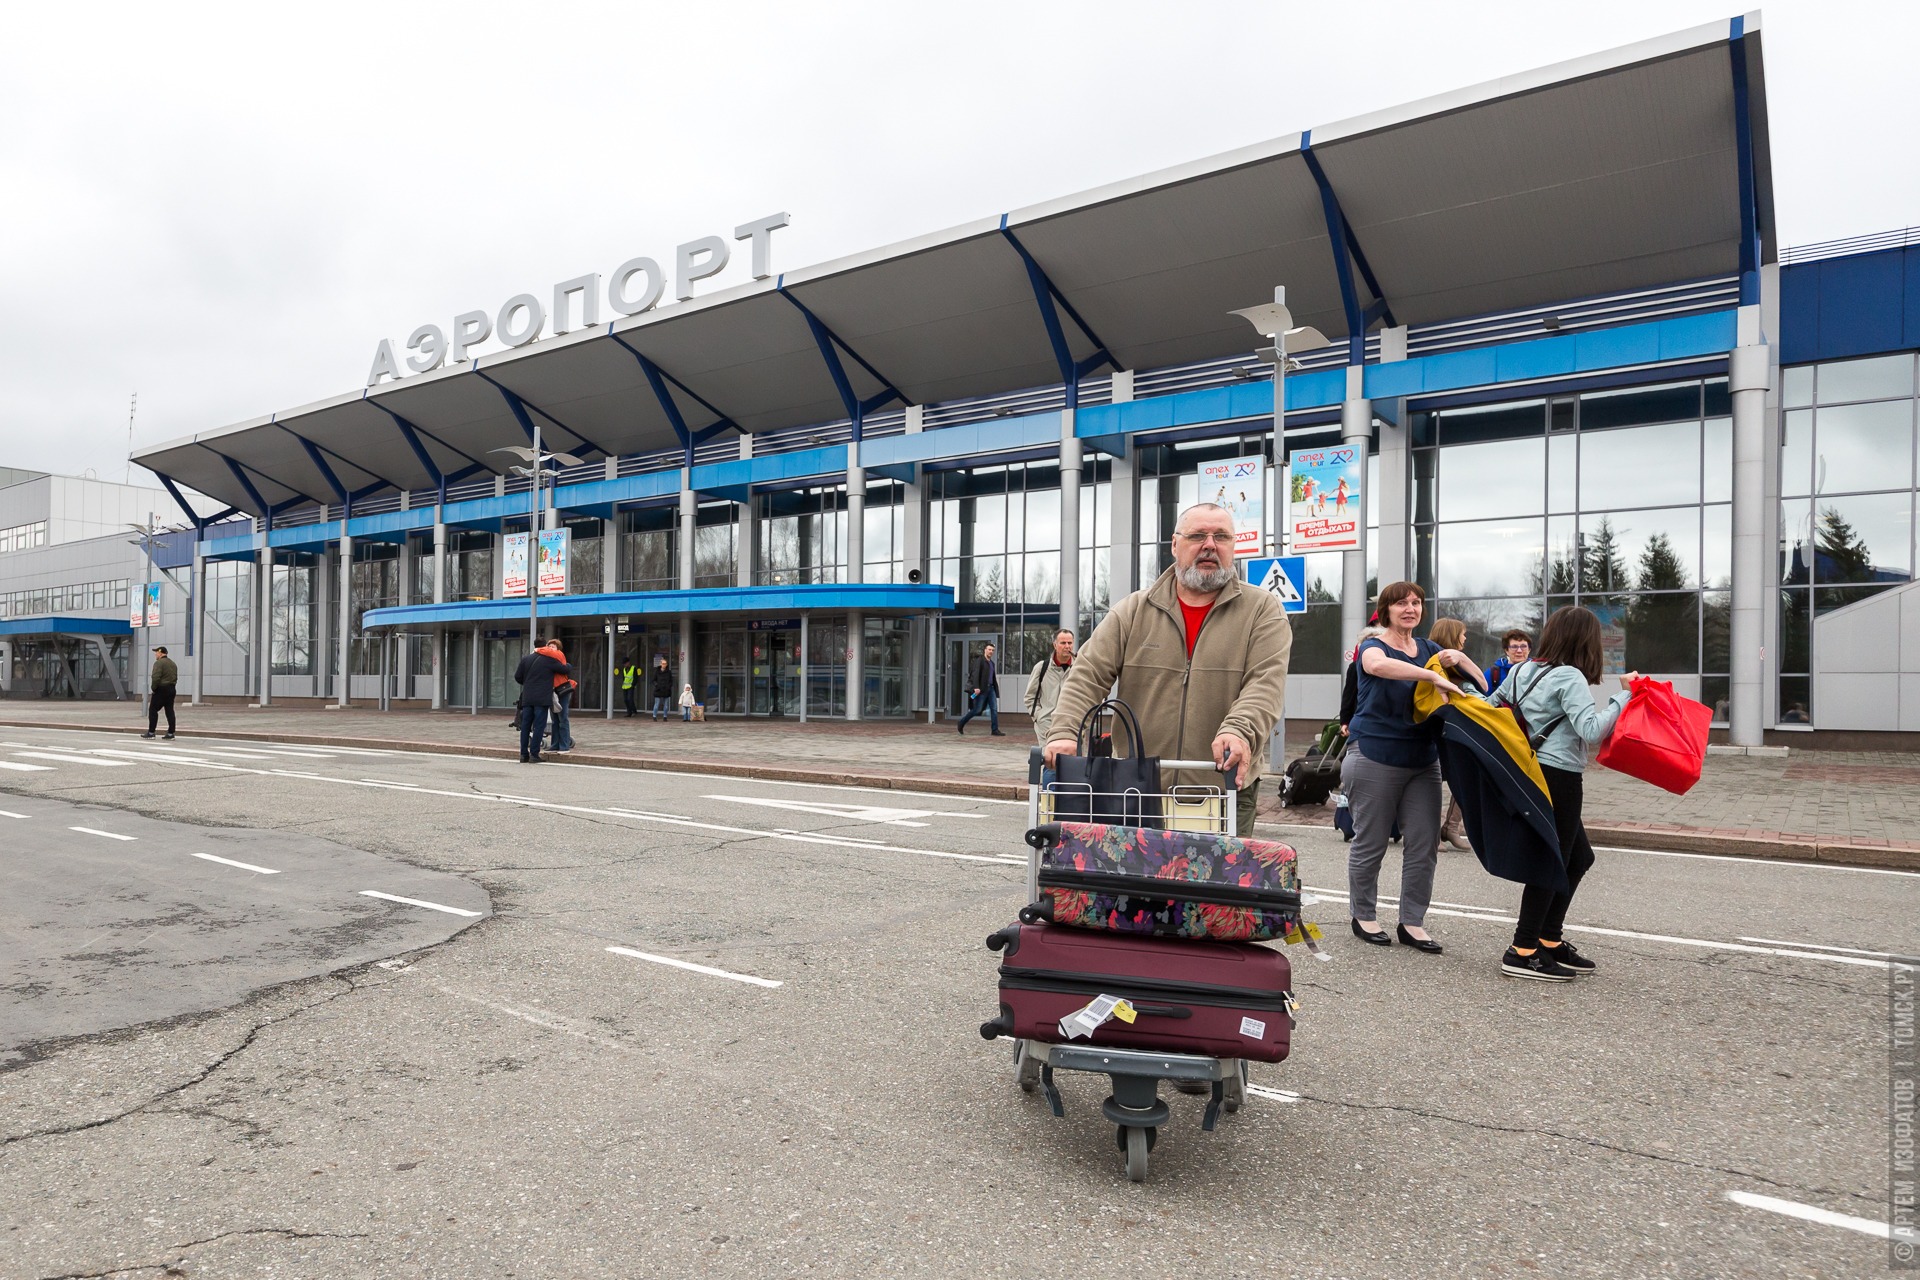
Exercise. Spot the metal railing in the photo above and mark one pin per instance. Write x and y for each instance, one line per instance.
(1904, 238)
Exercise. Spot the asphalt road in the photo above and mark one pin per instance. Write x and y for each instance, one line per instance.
(716, 1027)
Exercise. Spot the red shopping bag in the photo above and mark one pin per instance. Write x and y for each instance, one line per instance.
(1660, 737)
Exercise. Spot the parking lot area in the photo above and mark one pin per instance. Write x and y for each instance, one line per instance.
(283, 1010)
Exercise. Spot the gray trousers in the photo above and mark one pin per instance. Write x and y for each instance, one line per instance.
(1380, 795)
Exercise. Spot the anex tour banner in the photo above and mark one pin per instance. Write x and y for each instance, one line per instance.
(1238, 485)
(513, 574)
(553, 562)
(1324, 499)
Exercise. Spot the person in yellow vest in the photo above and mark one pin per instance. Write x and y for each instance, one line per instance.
(629, 673)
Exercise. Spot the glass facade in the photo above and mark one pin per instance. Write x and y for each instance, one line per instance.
(1847, 490)
(1618, 500)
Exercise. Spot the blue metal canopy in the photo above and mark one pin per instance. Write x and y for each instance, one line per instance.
(872, 597)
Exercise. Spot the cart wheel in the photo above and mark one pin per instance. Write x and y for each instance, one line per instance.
(1233, 1094)
(1026, 1068)
(1137, 1142)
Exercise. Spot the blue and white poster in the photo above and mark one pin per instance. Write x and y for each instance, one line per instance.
(1238, 485)
(1323, 500)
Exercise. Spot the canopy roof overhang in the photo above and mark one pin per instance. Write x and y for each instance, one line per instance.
(1618, 171)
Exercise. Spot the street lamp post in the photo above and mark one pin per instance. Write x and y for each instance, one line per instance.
(1273, 321)
(537, 464)
(146, 532)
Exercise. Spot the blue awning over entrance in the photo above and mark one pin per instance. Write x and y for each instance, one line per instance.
(77, 626)
(876, 597)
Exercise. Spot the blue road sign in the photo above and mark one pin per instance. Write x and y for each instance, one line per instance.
(1285, 576)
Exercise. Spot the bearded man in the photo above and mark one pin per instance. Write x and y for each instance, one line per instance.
(1199, 655)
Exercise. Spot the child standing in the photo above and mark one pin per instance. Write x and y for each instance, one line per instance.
(686, 702)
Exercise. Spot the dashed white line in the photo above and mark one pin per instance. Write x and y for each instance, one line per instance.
(19, 767)
(695, 968)
(1818, 946)
(389, 782)
(417, 902)
(1809, 1213)
(1757, 862)
(8, 813)
(71, 759)
(1273, 1095)
(244, 866)
(94, 831)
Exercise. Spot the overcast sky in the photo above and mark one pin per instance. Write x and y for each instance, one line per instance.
(226, 208)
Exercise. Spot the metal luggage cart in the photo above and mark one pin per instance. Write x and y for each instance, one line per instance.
(1134, 1106)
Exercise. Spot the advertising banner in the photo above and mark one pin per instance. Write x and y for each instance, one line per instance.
(553, 562)
(1239, 485)
(513, 577)
(145, 607)
(153, 604)
(1323, 499)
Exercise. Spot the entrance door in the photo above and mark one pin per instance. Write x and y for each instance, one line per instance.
(961, 652)
(774, 670)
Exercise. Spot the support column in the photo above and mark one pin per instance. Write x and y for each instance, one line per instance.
(473, 673)
(263, 570)
(199, 628)
(345, 692)
(1123, 533)
(689, 506)
(804, 655)
(856, 573)
(1396, 478)
(856, 661)
(1356, 432)
(1070, 464)
(439, 597)
(747, 529)
(402, 664)
(1750, 378)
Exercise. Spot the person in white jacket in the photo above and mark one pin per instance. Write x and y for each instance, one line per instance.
(1552, 692)
(686, 702)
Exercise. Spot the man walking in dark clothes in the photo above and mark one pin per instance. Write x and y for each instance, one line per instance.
(166, 677)
(984, 692)
(536, 676)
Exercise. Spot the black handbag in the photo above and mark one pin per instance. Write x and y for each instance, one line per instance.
(1124, 790)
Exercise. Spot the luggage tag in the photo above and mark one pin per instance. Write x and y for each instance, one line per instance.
(1104, 1008)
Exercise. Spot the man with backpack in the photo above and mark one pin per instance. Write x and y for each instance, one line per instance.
(1044, 682)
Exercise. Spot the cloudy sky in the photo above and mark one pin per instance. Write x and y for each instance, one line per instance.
(224, 208)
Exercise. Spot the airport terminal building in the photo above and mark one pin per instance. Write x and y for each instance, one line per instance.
(1561, 330)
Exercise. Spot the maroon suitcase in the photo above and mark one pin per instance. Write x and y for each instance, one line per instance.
(1220, 999)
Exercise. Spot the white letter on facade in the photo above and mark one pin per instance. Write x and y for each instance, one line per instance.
(383, 363)
(761, 232)
(470, 329)
(536, 319)
(588, 287)
(617, 286)
(687, 269)
(432, 346)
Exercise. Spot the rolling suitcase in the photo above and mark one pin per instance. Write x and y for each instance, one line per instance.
(1316, 775)
(1171, 883)
(1221, 999)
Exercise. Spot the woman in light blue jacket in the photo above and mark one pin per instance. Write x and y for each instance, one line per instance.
(1553, 695)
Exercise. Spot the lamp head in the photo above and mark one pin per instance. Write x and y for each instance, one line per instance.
(519, 451)
(1269, 319)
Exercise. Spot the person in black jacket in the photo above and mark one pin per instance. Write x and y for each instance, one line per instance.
(1350, 686)
(983, 687)
(535, 676)
(661, 687)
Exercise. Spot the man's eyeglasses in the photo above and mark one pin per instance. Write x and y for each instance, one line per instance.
(1201, 539)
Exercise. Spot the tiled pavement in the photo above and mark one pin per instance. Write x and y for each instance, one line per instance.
(1855, 806)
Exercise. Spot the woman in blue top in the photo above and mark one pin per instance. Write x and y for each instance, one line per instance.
(1553, 694)
(1392, 770)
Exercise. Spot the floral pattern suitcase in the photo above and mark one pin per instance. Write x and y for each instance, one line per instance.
(1183, 884)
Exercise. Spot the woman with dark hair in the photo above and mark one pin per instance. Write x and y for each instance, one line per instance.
(1392, 770)
(1552, 692)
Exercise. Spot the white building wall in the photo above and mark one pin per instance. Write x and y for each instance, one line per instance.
(1866, 663)
(80, 508)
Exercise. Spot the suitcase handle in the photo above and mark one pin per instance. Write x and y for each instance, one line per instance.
(1161, 1010)
(1044, 836)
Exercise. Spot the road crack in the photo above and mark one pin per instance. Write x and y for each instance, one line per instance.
(172, 1266)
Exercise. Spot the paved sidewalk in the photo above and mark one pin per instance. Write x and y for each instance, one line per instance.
(1844, 806)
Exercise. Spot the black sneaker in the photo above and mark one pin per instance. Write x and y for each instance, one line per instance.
(149, 734)
(1540, 966)
(1569, 957)
(166, 737)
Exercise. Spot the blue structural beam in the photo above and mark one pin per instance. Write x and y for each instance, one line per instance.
(1051, 303)
(1347, 255)
(326, 472)
(871, 598)
(520, 406)
(831, 345)
(658, 378)
(240, 474)
(1743, 145)
(198, 522)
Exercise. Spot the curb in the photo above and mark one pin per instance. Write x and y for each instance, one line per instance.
(934, 784)
(1680, 839)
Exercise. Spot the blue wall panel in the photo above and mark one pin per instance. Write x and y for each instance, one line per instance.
(1860, 305)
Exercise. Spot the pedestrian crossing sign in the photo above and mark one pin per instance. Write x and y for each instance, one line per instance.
(1285, 576)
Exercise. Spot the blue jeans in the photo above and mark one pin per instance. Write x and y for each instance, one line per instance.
(662, 707)
(533, 727)
(987, 700)
(563, 728)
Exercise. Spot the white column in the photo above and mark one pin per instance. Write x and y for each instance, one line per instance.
(804, 656)
(1750, 378)
(402, 665)
(263, 571)
(439, 597)
(1356, 431)
(345, 692)
(1123, 532)
(856, 573)
(746, 530)
(199, 628)
(689, 504)
(1070, 464)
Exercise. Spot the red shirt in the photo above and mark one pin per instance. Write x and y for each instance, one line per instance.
(1195, 614)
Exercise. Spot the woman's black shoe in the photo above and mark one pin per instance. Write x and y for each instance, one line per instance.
(1427, 945)
(1377, 938)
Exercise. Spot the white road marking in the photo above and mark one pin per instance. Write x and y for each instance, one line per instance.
(8, 813)
(1787, 951)
(388, 782)
(151, 759)
(93, 831)
(858, 812)
(1818, 946)
(416, 902)
(18, 767)
(244, 866)
(71, 759)
(1757, 862)
(215, 751)
(695, 968)
(1808, 1213)
(269, 752)
(1273, 1095)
